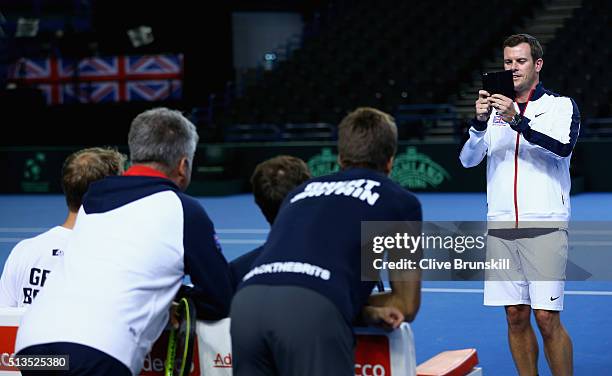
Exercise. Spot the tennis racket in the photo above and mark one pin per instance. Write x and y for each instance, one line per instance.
(181, 341)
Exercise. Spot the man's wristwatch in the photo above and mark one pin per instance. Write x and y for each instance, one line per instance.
(516, 120)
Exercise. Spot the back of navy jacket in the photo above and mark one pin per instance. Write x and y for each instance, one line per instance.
(134, 240)
(528, 177)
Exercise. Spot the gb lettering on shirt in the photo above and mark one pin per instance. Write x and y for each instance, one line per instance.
(37, 280)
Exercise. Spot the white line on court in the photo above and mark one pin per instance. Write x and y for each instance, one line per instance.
(590, 232)
(23, 229)
(242, 231)
(246, 241)
(265, 231)
(260, 241)
(11, 240)
(242, 241)
(424, 289)
(222, 241)
(592, 243)
(458, 291)
(480, 291)
(219, 231)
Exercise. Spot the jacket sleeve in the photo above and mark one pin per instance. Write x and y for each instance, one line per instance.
(205, 264)
(475, 148)
(562, 138)
(240, 266)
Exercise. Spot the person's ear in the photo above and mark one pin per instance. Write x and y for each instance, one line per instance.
(183, 173)
(389, 166)
(538, 65)
(184, 166)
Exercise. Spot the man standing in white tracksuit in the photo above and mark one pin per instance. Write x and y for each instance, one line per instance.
(528, 143)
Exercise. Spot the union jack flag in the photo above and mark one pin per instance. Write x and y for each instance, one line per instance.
(103, 79)
(91, 92)
(152, 90)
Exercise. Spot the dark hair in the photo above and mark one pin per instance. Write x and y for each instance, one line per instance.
(367, 137)
(86, 166)
(516, 39)
(273, 179)
(163, 136)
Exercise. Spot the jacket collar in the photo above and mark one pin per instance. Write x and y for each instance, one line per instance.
(140, 170)
(538, 92)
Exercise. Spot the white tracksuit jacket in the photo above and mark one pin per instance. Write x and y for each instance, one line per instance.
(528, 176)
(134, 239)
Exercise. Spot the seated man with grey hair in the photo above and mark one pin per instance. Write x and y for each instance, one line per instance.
(135, 239)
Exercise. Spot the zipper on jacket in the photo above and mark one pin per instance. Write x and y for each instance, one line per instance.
(516, 151)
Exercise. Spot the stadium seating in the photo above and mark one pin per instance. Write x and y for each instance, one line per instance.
(353, 53)
(398, 53)
(578, 59)
(382, 54)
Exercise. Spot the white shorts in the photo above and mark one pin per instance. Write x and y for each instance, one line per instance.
(536, 276)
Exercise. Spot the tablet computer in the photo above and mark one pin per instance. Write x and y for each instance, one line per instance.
(499, 83)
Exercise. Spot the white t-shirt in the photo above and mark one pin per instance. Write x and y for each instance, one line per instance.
(29, 266)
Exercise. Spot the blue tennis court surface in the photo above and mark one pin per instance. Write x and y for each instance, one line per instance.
(451, 315)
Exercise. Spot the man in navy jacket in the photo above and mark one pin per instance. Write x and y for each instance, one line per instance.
(271, 181)
(295, 307)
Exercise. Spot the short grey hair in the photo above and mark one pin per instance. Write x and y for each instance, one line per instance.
(163, 136)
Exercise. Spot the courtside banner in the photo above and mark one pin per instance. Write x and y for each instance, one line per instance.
(215, 347)
(492, 251)
(154, 361)
(225, 168)
(377, 352)
(9, 322)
